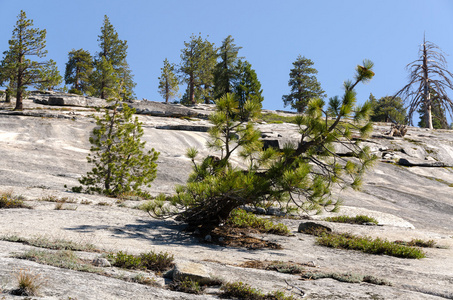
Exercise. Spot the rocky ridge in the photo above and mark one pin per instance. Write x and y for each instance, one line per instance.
(408, 192)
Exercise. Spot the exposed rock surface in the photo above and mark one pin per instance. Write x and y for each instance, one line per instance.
(64, 99)
(42, 155)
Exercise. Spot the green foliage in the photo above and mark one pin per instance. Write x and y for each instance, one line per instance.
(26, 41)
(369, 245)
(150, 261)
(168, 82)
(121, 164)
(346, 277)
(50, 77)
(285, 267)
(242, 219)
(388, 109)
(248, 87)
(226, 70)
(54, 244)
(303, 83)
(78, 70)
(111, 68)
(418, 243)
(239, 290)
(187, 286)
(276, 118)
(439, 119)
(298, 177)
(62, 259)
(360, 219)
(198, 60)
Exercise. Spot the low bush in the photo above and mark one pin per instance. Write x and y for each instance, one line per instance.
(242, 219)
(360, 219)
(418, 243)
(187, 286)
(369, 245)
(8, 200)
(239, 290)
(277, 119)
(151, 261)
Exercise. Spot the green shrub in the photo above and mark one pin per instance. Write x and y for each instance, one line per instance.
(239, 290)
(242, 219)
(418, 243)
(285, 267)
(360, 219)
(369, 245)
(277, 119)
(187, 286)
(151, 261)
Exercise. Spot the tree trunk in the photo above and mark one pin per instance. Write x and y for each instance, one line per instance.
(426, 94)
(191, 90)
(19, 105)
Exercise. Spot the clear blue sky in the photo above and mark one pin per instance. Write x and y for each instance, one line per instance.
(336, 35)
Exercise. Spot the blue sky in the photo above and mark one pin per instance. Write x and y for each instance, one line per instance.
(336, 35)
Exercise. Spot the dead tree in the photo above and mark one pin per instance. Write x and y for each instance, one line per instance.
(428, 74)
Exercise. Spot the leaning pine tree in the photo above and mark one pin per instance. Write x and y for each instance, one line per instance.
(301, 176)
(121, 164)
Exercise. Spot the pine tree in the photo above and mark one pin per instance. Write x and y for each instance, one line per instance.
(51, 77)
(300, 176)
(168, 82)
(78, 70)
(197, 63)
(226, 70)
(304, 85)
(114, 51)
(247, 87)
(121, 165)
(439, 119)
(26, 41)
(388, 109)
(104, 80)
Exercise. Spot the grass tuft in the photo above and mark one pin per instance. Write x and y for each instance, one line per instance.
(150, 261)
(66, 259)
(29, 284)
(369, 245)
(8, 200)
(360, 219)
(54, 244)
(346, 277)
(418, 243)
(242, 219)
(239, 290)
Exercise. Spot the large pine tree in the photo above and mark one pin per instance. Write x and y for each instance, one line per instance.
(78, 70)
(198, 60)
(226, 70)
(26, 41)
(114, 51)
(303, 83)
(248, 87)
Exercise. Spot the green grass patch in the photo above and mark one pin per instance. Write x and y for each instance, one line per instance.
(279, 266)
(239, 290)
(242, 219)
(277, 119)
(346, 277)
(359, 219)
(418, 243)
(8, 200)
(66, 259)
(368, 245)
(54, 244)
(150, 261)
